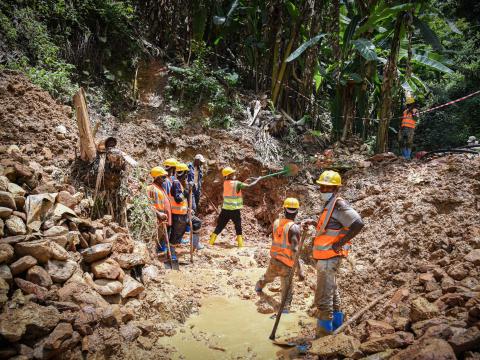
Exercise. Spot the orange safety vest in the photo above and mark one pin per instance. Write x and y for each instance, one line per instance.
(281, 247)
(232, 200)
(408, 120)
(159, 200)
(180, 208)
(325, 238)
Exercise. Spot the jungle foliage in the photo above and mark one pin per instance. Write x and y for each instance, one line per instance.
(353, 59)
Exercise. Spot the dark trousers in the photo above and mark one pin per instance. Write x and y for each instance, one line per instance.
(179, 226)
(227, 215)
(196, 198)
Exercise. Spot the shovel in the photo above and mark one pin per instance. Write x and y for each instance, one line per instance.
(190, 222)
(288, 170)
(289, 285)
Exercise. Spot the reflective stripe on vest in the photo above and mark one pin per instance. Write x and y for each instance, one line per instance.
(232, 200)
(281, 246)
(325, 238)
(408, 120)
(160, 201)
(178, 208)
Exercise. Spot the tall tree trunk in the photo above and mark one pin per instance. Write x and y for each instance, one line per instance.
(88, 151)
(389, 77)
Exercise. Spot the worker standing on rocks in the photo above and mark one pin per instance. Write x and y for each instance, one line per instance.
(407, 128)
(337, 225)
(285, 239)
(195, 175)
(179, 194)
(160, 202)
(232, 204)
(170, 166)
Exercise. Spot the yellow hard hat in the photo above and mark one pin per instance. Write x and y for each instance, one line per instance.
(181, 167)
(227, 171)
(170, 162)
(410, 100)
(158, 171)
(291, 203)
(330, 177)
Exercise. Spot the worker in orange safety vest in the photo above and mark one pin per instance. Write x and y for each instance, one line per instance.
(285, 239)
(407, 128)
(336, 226)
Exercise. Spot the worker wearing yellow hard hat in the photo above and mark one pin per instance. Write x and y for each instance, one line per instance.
(232, 205)
(170, 166)
(180, 201)
(337, 224)
(285, 239)
(407, 128)
(160, 203)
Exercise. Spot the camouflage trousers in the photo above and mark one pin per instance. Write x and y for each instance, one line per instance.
(277, 269)
(327, 298)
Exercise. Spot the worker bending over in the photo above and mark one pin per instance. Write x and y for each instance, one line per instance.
(336, 226)
(285, 239)
(179, 195)
(232, 204)
(160, 203)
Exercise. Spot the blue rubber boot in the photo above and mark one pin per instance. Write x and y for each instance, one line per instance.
(161, 248)
(337, 320)
(409, 154)
(173, 253)
(324, 328)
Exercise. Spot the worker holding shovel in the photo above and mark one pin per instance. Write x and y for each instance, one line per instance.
(233, 201)
(285, 239)
(160, 203)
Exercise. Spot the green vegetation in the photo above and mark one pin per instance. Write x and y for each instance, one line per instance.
(342, 68)
(200, 88)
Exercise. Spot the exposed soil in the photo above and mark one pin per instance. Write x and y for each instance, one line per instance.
(422, 236)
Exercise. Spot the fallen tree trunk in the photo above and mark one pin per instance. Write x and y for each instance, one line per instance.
(88, 151)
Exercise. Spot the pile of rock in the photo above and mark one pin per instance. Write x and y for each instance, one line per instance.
(63, 278)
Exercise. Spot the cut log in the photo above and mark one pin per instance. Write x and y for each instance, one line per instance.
(88, 151)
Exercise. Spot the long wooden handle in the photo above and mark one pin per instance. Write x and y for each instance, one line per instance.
(289, 285)
(191, 226)
(169, 253)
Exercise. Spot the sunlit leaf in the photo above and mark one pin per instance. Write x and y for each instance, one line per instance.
(366, 49)
(304, 47)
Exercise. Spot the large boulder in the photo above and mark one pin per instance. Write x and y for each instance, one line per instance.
(390, 341)
(60, 271)
(39, 249)
(103, 286)
(427, 349)
(38, 275)
(377, 329)
(6, 253)
(128, 261)
(7, 200)
(131, 287)
(81, 293)
(32, 319)
(22, 264)
(96, 252)
(15, 225)
(106, 269)
(422, 309)
(334, 346)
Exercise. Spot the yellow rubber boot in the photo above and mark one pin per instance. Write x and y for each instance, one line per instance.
(240, 241)
(213, 237)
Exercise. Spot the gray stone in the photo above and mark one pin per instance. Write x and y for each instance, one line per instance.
(96, 252)
(6, 274)
(60, 271)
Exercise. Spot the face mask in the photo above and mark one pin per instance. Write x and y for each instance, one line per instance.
(326, 196)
